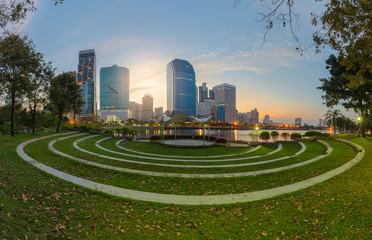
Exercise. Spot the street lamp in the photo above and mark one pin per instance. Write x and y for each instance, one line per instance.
(359, 120)
(257, 133)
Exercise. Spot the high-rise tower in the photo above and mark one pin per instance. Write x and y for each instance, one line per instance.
(181, 88)
(225, 99)
(86, 78)
(114, 89)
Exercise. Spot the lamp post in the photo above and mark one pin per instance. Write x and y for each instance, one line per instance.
(359, 121)
(257, 134)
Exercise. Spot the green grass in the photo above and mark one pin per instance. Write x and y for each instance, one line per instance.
(37, 205)
(194, 186)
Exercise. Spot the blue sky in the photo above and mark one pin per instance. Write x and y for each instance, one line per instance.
(222, 42)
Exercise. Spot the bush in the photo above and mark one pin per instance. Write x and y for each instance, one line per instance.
(327, 135)
(264, 135)
(285, 135)
(296, 136)
(220, 140)
(313, 134)
(274, 135)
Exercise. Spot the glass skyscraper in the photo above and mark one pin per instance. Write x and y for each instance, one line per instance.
(114, 92)
(86, 78)
(225, 99)
(181, 88)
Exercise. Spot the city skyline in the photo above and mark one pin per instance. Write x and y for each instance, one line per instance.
(272, 77)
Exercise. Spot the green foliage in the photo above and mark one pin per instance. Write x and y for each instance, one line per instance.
(64, 95)
(296, 136)
(312, 134)
(274, 135)
(264, 135)
(285, 135)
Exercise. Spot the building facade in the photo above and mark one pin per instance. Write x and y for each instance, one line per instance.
(203, 92)
(298, 122)
(181, 88)
(266, 119)
(254, 116)
(225, 96)
(114, 92)
(148, 106)
(86, 78)
(136, 110)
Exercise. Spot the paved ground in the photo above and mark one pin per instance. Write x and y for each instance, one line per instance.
(187, 143)
(189, 199)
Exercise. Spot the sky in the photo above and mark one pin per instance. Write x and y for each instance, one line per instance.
(223, 42)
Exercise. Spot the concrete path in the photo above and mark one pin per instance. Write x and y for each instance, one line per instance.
(187, 160)
(189, 175)
(173, 156)
(189, 199)
(75, 144)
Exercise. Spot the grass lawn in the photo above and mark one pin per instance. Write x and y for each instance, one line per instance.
(37, 205)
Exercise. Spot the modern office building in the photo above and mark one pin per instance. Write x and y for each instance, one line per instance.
(136, 110)
(86, 78)
(205, 108)
(203, 92)
(181, 88)
(225, 96)
(148, 106)
(242, 118)
(254, 116)
(114, 92)
(211, 94)
(159, 112)
(266, 119)
(298, 122)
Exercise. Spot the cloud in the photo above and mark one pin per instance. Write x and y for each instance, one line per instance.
(257, 60)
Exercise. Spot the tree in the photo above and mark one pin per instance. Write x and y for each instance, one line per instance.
(264, 135)
(37, 89)
(18, 60)
(338, 91)
(332, 118)
(285, 135)
(274, 135)
(63, 94)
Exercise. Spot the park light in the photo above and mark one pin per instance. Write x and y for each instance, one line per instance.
(256, 128)
(359, 118)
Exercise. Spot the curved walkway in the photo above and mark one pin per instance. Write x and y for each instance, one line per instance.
(174, 156)
(192, 160)
(189, 199)
(75, 144)
(191, 175)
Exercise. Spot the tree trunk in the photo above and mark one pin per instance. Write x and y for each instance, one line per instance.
(33, 115)
(12, 115)
(59, 121)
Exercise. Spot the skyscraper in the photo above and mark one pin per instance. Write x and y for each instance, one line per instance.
(254, 116)
(225, 99)
(298, 122)
(203, 92)
(86, 78)
(181, 88)
(211, 94)
(114, 92)
(148, 106)
(266, 119)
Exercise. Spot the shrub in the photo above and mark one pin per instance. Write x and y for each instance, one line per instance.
(264, 135)
(274, 135)
(221, 140)
(296, 136)
(285, 135)
(312, 134)
(327, 135)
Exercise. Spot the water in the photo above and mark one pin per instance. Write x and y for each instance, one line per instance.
(227, 133)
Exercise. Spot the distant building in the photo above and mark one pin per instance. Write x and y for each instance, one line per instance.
(86, 78)
(159, 112)
(298, 122)
(136, 110)
(148, 106)
(181, 88)
(266, 119)
(254, 116)
(321, 123)
(203, 92)
(205, 108)
(225, 96)
(242, 118)
(211, 94)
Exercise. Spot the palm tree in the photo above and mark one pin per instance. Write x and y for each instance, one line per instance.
(333, 118)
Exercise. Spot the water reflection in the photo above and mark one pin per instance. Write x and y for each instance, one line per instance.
(232, 134)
